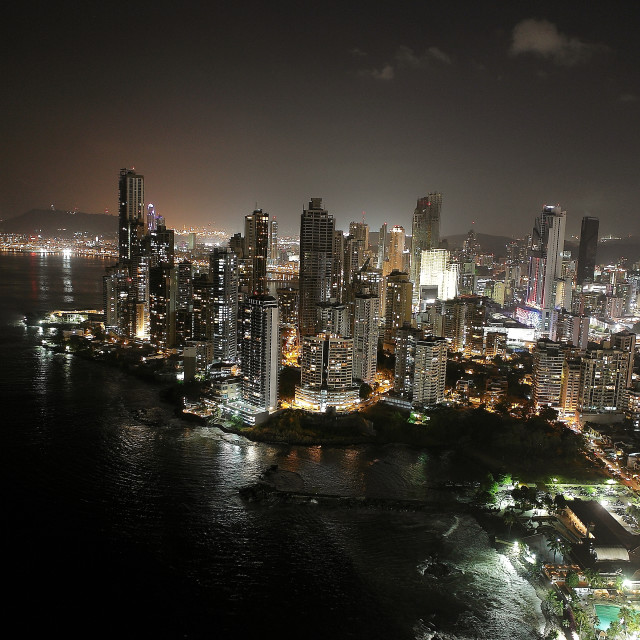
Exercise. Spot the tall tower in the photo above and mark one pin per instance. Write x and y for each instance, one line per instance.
(545, 264)
(397, 305)
(365, 336)
(430, 371)
(587, 249)
(223, 300)
(130, 212)
(383, 247)
(256, 239)
(316, 262)
(396, 250)
(548, 362)
(260, 352)
(273, 240)
(425, 230)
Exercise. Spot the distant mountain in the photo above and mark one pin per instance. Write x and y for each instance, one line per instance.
(488, 243)
(609, 252)
(54, 223)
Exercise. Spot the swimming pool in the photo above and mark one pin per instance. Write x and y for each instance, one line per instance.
(607, 613)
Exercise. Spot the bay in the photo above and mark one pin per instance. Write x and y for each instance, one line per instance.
(115, 528)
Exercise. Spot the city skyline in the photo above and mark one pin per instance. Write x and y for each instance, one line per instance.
(228, 109)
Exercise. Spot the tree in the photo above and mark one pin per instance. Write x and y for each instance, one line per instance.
(554, 602)
(509, 519)
(365, 391)
(555, 545)
(572, 580)
(549, 414)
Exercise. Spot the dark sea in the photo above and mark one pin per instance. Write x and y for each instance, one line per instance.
(113, 528)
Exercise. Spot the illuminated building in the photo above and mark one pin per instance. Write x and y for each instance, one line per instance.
(406, 339)
(383, 246)
(256, 247)
(397, 307)
(425, 232)
(273, 240)
(326, 376)
(545, 267)
(571, 386)
(588, 249)
(437, 275)
(430, 371)
(333, 317)
(572, 329)
(260, 352)
(130, 212)
(626, 342)
(316, 262)
(548, 361)
(396, 250)
(223, 302)
(604, 378)
(365, 336)
(163, 289)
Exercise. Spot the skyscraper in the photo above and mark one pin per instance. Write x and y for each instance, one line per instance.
(587, 249)
(425, 230)
(223, 300)
(545, 265)
(548, 361)
(326, 374)
(130, 212)
(256, 240)
(316, 262)
(396, 250)
(273, 240)
(365, 336)
(260, 352)
(397, 305)
(430, 371)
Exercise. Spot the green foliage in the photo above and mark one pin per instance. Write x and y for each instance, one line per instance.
(554, 602)
(572, 580)
(289, 377)
(365, 391)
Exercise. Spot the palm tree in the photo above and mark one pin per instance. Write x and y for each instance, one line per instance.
(555, 545)
(509, 519)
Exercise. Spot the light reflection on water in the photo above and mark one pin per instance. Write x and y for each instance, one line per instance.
(119, 512)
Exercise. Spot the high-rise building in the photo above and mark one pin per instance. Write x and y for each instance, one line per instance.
(425, 231)
(326, 375)
(163, 289)
(398, 294)
(587, 249)
(260, 352)
(334, 317)
(223, 300)
(604, 377)
(430, 371)
(545, 266)
(396, 250)
(273, 240)
(383, 246)
(130, 213)
(548, 361)
(316, 262)
(626, 341)
(407, 338)
(365, 336)
(437, 275)
(256, 249)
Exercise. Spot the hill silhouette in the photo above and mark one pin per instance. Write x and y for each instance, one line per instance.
(56, 223)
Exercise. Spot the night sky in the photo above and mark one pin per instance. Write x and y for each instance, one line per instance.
(501, 106)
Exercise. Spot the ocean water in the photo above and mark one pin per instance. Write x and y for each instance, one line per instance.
(114, 528)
